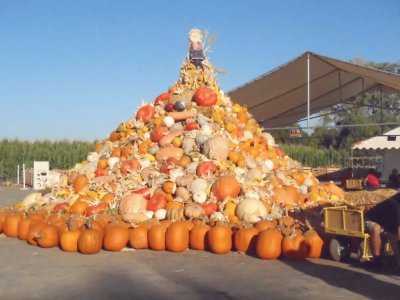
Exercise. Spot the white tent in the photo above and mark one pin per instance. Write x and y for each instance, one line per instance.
(307, 85)
(389, 142)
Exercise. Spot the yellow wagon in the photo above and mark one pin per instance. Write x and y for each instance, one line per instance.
(346, 227)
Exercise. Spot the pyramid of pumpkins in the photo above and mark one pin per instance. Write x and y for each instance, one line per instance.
(191, 157)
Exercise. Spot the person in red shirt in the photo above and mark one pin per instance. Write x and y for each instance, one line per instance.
(372, 180)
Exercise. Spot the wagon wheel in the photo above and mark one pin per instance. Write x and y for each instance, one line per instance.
(339, 249)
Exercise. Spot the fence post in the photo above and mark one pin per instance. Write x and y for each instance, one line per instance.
(18, 175)
(23, 177)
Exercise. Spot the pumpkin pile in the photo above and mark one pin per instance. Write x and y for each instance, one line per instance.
(189, 169)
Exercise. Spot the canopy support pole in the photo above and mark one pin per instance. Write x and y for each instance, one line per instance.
(308, 93)
(381, 91)
(340, 86)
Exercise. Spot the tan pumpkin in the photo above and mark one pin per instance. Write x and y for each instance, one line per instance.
(216, 148)
(132, 203)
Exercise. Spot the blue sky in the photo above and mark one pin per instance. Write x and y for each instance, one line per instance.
(75, 69)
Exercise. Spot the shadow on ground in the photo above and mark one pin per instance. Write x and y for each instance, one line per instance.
(357, 281)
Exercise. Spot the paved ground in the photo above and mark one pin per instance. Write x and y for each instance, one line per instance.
(29, 272)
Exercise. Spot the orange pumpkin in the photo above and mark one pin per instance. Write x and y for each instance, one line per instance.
(79, 207)
(205, 96)
(294, 247)
(47, 237)
(226, 186)
(126, 151)
(145, 113)
(206, 168)
(34, 229)
(116, 237)
(90, 240)
(162, 98)
(245, 240)
(80, 183)
(23, 228)
(156, 237)
(138, 237)
(129, 166)
(314, 243)
(69, 238)
(264, 225)
(219, 239)
(269, 244)
(157, 133)
(197, 237)
(177, 237)
(11, 224)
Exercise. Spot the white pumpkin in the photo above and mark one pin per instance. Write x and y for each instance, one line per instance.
(251, 210)
(160, 214)
(198, 185)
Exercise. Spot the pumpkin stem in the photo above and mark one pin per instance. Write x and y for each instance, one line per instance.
(309, 225)
(69, 224)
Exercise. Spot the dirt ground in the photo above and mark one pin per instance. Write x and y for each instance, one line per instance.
(29, 272)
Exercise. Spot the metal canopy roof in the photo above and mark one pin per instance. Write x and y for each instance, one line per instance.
(279, 97)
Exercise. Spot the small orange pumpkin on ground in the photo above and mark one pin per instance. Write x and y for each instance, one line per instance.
(116, 237)
(245, 240)
(269, 244)
(219, 239)
(156, 237)
(294, 247)
(177, 237)
(90, 240)
(197, 237)
(138, 237)
(47, 237)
